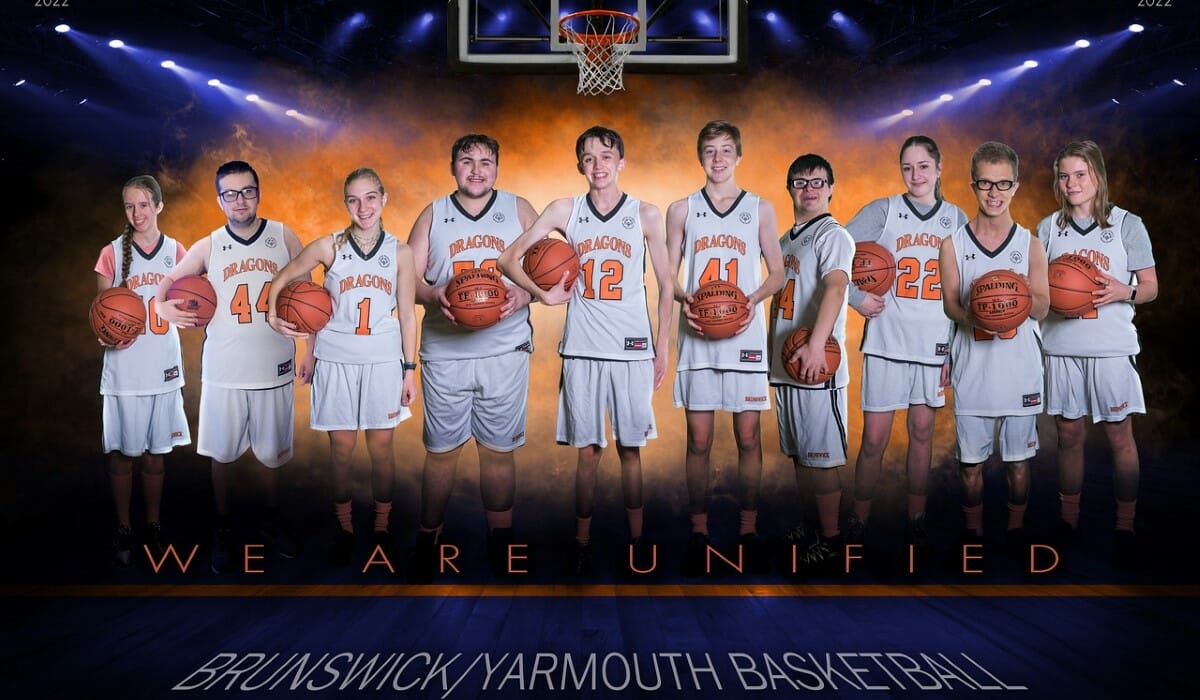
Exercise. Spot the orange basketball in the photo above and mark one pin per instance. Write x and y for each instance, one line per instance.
(118, 315)
(1073, 278)
(476, 297)
(721, 308)
(873, 269)
(1000, 300)
(306, 304)
(546, 261)
(197, 295)
(799, 338)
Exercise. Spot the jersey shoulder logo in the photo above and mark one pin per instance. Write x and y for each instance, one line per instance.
(627, 222)
(498, 217)
(945, 221)
(1016, 257)
(744, 217)
(385, 262)
(271, 242)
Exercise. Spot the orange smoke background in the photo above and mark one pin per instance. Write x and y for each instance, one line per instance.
(403, 128)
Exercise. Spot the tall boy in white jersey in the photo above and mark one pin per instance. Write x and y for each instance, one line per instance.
(722, 232)
(996, 377)
(247, 368)
(475, 383)
(612, 361)
(811, 413)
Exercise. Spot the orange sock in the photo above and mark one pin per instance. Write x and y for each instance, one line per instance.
(383, 513)
(1016, 515)
(1126, 510)
(747, 522)
(916, 505)
(583, 530)
(700, 523)
(633, 516)
(342, 509)
(862, 508)
(828, 505)
(974, 518)
(1068, 508)
(498, 518)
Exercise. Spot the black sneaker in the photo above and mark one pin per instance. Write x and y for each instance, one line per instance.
(222, 551)
(695, 556)
(122, 542)
(756, 557)
(1124, 550)
(821, 555)
(422, 565)
(156, 541)
(382, 541)
(641, 557)
(498, 541)
(275, 534)
(341, 552)
(580, 563)
(856, 530)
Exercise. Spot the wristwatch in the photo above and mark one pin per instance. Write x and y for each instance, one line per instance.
(1132, 294)
(410, 366)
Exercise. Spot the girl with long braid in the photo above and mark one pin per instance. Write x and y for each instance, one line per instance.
(142, 379)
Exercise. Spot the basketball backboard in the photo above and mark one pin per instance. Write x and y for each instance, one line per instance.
(522, 36)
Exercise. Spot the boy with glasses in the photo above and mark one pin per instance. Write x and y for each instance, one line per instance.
(996, 377)
(246, 399)
(817, 255)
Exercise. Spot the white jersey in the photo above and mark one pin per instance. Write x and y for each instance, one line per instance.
(459, 241)
(913, 326)
(363, 329)
(1107, 331)
(995, 375)
(607, 317)
(810, 252)
(241, 351)
(154, 363)
(723, 246)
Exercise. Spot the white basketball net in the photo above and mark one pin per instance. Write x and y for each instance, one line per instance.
(600, 42)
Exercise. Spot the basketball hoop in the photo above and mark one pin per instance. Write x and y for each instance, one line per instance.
(600, 40)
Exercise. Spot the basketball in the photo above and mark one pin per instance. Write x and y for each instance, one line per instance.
(1073, 278)
(1000, 300)
(118, 315)
(196, 295)
(546, 261)
(305, 304)
(798, 338)
(721, 308)
(873, 269)
(475, 297)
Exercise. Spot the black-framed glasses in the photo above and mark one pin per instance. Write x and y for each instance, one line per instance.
(244, 193)
(799, 183)
(987, 185)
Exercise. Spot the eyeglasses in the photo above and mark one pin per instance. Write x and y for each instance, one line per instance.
(244, 193)
(816, 183)
(987, 185)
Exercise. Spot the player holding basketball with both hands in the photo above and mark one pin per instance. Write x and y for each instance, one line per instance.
(722, 232)
(474, 383)
(996, 377)
(1090, 368)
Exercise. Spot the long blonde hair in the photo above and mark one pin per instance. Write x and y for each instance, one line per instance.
(1090, 152)
(356, 174)
(140, 182)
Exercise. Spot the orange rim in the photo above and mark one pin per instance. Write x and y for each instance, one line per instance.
(598, 39)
